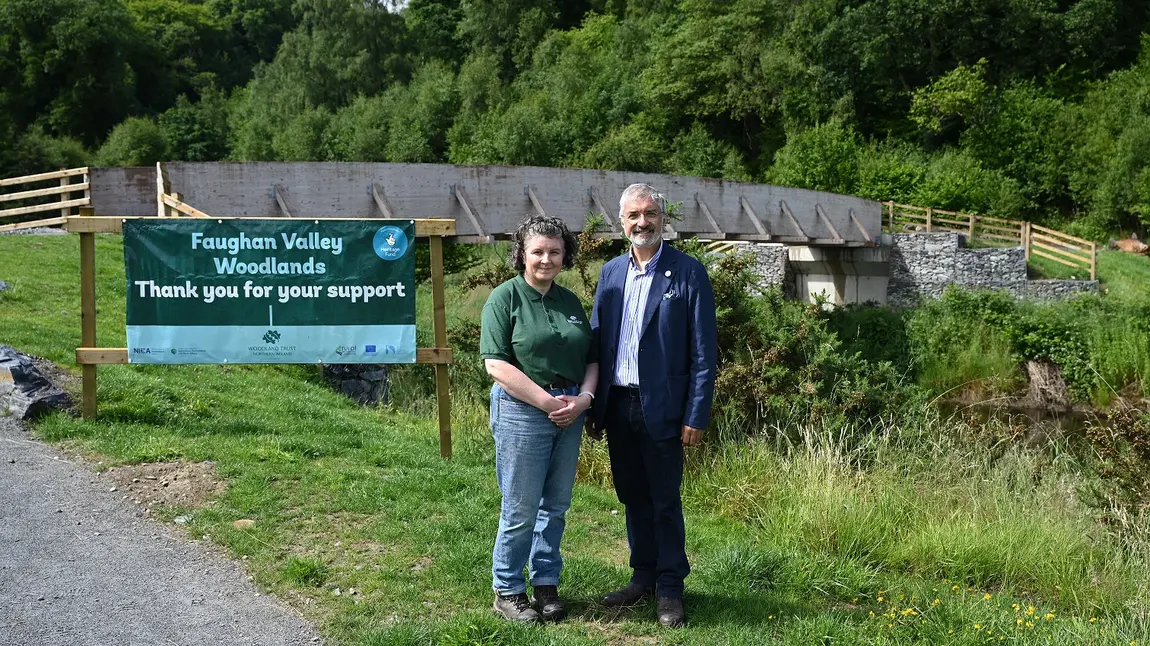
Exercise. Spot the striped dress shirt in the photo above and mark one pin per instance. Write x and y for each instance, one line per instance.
(635, 292)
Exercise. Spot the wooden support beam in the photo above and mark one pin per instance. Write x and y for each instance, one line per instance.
(827, 221)
(163, 187)
(187, 209)
(40, 208)
(49, 222)
(529, 191)
(866, 236)
(702, 204)
(281, 199)
(380, 198)
(115, 224)
(105, 356)
(56, 174)
(608, 218)
(794, 221)
(745, 205)
(465, 202)
(52, 190)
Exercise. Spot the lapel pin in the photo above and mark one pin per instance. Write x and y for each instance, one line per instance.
(667, 273)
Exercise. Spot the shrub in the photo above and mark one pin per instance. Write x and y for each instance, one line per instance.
(135, 142)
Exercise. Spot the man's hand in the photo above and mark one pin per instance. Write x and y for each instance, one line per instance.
(691, 435)
(593, 432)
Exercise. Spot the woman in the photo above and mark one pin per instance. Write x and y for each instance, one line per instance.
(536, 345)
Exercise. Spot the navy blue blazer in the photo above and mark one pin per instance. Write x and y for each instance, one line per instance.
(677, 347)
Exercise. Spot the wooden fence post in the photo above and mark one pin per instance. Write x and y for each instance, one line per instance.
(891, 205)
(970, 237)
(929, 218)
(1093, 261)
(1026, 239)
(66, 211)
(439, 315)
(88, 315)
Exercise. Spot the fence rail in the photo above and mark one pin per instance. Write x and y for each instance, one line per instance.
(28, 195)
(1050, 244)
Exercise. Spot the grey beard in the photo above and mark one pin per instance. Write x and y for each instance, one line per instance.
(654, 240)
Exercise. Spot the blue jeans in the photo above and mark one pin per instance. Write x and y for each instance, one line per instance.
(535, 464)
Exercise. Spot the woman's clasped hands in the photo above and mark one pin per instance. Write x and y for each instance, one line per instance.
(564, 409)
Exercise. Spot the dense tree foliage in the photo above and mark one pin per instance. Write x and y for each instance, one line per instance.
(1020, 108)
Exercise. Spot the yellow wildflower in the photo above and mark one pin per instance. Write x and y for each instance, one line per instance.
(986, 597)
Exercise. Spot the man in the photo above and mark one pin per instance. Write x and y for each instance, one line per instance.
(654, 321)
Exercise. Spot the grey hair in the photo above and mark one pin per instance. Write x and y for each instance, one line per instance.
(547, 227)
(640, 191)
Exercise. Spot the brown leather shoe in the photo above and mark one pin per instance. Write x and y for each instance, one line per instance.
(671, 612)
(628, 596)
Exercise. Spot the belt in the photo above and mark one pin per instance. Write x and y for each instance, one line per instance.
(630, 391)
(560, 383)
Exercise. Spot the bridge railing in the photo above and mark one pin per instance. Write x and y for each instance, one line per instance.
(58, 193)
(1062, 248)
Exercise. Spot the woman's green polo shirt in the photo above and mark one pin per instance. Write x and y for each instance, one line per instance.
(548, 337)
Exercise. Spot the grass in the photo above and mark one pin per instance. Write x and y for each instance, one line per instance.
(1121, 275)
(929, 533)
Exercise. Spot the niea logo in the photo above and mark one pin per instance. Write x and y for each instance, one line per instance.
(390, 243)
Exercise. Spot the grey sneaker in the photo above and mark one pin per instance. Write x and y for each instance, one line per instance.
(516, 607)
(546, 598)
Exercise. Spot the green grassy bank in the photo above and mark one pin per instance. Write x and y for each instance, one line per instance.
(913, 530)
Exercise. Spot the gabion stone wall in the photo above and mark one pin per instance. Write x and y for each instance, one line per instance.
(923, 264)
(771, 266)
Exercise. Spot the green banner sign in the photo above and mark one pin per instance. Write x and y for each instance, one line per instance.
(270, 291)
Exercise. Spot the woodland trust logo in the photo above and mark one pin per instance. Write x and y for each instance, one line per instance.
(271, 337)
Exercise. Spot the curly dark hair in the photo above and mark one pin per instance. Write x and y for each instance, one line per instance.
(548, 227)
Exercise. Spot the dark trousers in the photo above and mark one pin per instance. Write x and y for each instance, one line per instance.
(648, 475)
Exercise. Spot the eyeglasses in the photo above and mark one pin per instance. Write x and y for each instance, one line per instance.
(650, 214)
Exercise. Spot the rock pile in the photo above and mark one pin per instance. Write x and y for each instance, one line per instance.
(366, 383)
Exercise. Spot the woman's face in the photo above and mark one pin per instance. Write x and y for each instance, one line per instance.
(543, 258)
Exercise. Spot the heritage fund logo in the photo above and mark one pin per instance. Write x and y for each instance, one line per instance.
(389, 243)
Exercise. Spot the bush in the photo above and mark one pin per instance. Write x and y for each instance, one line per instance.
(35, 152)
(781, 365)
(958, 182)
(135, 142)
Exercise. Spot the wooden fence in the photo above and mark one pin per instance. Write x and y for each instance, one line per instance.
(58, 193)
(1059, 247)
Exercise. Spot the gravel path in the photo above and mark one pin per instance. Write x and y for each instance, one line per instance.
(79, 566)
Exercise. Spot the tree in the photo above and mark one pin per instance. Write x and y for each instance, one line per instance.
(191, 46)
(68, 65)
(197, 131)
(823, 158)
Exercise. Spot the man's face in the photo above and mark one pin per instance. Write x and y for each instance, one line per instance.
(642, 222)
